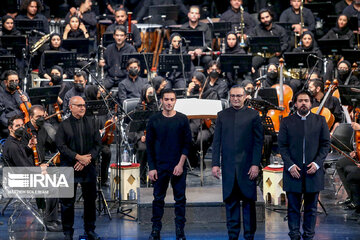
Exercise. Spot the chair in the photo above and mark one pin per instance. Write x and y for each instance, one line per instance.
(130, 104)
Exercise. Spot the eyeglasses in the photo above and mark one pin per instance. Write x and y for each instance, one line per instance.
(236, 95)
(79, 105)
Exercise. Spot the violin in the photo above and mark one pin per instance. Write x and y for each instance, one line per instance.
(24, 107)
(34, 149)
(56, 107)
(109, 128)
(55, 159)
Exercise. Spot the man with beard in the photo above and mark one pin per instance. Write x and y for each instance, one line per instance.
(168, 140)
(30, 10)
(304, 142)
(316, 88)
(80, 80)
(238, 142)
(353, 10)
(267, 28)
(121, 20)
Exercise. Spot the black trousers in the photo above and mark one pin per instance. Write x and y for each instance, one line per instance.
(178, 184)
(352, 173)
(141, 155)
(105, 162)
(232, 204)
(294, 214)
(341, 164)
(67, 208)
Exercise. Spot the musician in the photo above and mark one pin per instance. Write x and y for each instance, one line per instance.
(341, 30)
(267, 28)
(131, 86)
(79, 145)
(344, 71)
(292, 15)
(215, 82)
(121, 20)
(168, 140)
(316, 88)
(80, 80)
(194, 24)
(233, 15)
(238, 142)
(159, 83)
(30, 10)
(8, 27)
(112, 58)
(271, 75)
(75, 29)
(353, 10)
(304, 142)
(86, 16)
(195, 89)
(10, 99)
(341, 5)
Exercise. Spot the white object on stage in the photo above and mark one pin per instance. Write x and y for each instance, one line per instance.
(198, 108)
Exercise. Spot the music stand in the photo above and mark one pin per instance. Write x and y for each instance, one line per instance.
(26, 26)
(349, 95)
(321, 8)
(353, 56)
(7, 63)
(265, 44)
(139, 56)
(81, 46)
(14, 44)
(97, 107)
(298, 59)
(44, 95)
(220, 29)
(193, 38)
(174, 63)
(63, 59)
(333, 46)
(140, 119)
(170, 11)
(240, 63)
(270, 95)
(108, 38)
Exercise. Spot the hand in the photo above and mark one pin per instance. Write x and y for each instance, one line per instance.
(353, 154)
(143, 139)
(296, 28)
(82, 27)
(216, 172)
(43, 168)
(153, 175)
(83, 159)
(312, 168)
(23, 98)
(253, 172)
(277, 54)
(78, 166)
(32, 142)
(295, 171)
(101, 63)
(134, 21)
(190, 87)
(72, 11)
(192, 54)
(67, 28)
(198, 51)
(178, 170)
(355, 126)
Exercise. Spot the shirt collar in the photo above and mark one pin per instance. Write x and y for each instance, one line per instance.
(303, 117)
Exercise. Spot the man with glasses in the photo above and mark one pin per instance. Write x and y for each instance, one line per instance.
(238, 141)
(79, 144)
(80, 80)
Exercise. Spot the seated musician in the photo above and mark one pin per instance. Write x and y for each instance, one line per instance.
(176, 79)
(8, 27)
(86, 16)
(215, 82)
(292, 15)
(267, 28)
(10, 99)
(112, 58)
(271, 75)
(249, 88)
(341, 5)
(195, 24)
(80, 80)
(196, 89)
(54, 45)
(353, 10)
(121, 18)
(159, 83)
(30, 10)
(233, 15)
(75, 29)
(344, 71)
(316, 88)
(132, 85)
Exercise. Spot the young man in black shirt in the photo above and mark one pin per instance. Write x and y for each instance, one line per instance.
(168, 139)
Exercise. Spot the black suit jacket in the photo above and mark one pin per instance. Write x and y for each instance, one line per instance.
(292, 132)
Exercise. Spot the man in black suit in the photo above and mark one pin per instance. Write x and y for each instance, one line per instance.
(239, 138)
(304, 142)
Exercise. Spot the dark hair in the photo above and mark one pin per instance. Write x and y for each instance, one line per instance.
(200, 77)
(214, 62)
(131, 61)
(318, 83)
(120, 28)
(167, 90)
(8, 73)
(34, 107)
(302, 92)
(13, 118)
(25, 4)
(263, 10)
(81, 74)
(237, 86)
(121, 9)
(195, 6)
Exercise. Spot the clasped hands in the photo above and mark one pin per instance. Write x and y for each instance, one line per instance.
(82, 161)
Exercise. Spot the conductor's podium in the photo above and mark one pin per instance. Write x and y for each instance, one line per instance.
(273, 192)
(129, 182)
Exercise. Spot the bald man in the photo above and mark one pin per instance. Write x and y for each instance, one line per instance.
(79, 144)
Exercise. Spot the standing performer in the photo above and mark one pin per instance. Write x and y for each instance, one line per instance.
(238, 140)
(304, 142)
(79, 144)
(168, 139)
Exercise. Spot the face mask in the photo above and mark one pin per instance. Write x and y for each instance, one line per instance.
(55, 79)
(79, 87)
(342, 72)
(249, 91)
(133, 72)
(272, 74)
(19, 132)
(151, 98)
(196, 89)
(40, 122)
(214, 74)
(12, 86)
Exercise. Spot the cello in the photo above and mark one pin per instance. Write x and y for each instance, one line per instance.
(285, 95)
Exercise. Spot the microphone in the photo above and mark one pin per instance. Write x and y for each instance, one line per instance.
(314, 56)
(262, 77)
(38, 32)
(147, 18)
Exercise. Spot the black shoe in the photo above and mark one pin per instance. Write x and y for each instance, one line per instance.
(180, 235)
(68, 237)
(155, 235)
(345, 202)
(350, 206)
(92, 235)
(53, 227)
